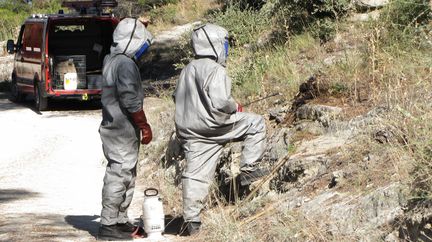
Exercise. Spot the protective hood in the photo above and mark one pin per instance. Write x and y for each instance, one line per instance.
(131, 38)
(211, 41)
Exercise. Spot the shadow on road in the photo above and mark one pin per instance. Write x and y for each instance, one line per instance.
(8, 195)
(88, 223)
(35, 227)
(84, 222)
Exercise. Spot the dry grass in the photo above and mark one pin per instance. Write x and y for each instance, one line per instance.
(369, 68)
(185, 11)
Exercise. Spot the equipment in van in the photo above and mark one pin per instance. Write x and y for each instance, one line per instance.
(153, 215)
(68, 75)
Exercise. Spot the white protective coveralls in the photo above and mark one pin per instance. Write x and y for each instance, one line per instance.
(206, 118)
(122, 95)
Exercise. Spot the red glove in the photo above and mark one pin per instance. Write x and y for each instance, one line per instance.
(140, 120)
(239, 107)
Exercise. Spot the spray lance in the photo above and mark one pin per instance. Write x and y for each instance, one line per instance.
(263, 98)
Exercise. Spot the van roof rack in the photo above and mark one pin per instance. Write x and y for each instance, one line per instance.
(83, 4)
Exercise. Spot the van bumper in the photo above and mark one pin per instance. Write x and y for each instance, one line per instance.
(83, 94)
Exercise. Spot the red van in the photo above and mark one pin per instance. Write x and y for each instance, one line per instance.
(61, 55)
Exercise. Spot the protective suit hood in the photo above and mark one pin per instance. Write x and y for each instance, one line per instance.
(210, 40)
(131, 38)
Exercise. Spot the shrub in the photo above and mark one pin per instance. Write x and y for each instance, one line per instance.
(149, 4)
(295, 16)
(9, 23)
(244, 25)
(401, 14)
(14, 12)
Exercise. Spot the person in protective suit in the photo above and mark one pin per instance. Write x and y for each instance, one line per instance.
(123, 125)
(207, 118)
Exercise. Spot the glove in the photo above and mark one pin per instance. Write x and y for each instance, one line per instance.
(239, 107)
(140, 121)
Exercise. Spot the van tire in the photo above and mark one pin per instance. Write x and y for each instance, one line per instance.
(16, 95)
(41, 102)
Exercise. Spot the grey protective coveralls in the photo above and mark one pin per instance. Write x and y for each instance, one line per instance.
(206, 118)
(122, 94)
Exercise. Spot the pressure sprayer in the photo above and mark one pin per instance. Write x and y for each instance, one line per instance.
(153, 215)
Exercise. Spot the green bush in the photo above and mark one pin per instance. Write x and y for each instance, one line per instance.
(14, 12)
(401, 14)
(167, 14)
(149, 4)
(244, 4)
(9, 23)
(245, 26)
(295, 16)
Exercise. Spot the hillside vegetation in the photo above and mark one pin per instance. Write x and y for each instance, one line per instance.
(14, 12)
(351, 123)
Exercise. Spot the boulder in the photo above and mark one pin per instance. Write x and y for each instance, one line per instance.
(364, 17)
(321, 113)
(371, 3)
(277, 114)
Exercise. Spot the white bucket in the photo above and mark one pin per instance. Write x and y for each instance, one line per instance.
(70, 81)
(153, 215)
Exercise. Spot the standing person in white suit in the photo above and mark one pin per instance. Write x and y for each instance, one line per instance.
(123, 126)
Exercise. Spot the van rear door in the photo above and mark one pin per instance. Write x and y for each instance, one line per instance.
(31, 53)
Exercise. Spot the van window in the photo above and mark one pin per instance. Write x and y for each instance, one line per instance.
(32, 39)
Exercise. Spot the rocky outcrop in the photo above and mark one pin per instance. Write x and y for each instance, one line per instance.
(358, 216)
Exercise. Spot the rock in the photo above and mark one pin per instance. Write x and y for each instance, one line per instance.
(322, 113)
(277, 114)
(364, 17)
(358, 215)
(3, 50)
(371, 3)
(330, 60)
(278, 145)
(299, 170)
(6, 67)
(337, 178)
(392, 237)
(416, 223)
(312, 127)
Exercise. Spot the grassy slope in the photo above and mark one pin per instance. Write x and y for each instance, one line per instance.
(364, 65)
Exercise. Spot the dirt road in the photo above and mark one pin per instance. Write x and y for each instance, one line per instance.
(51, 171)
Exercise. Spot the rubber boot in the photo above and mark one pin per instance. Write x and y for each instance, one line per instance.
(127, 227)
(113, 233)
(189, 228)
(251, 175)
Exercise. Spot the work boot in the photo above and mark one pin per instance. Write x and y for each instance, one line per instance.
(190, 228)
(113, 232)
(127, 227)
(251, 174)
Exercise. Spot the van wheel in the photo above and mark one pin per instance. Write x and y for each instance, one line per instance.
(41, 102)
(16, 95)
